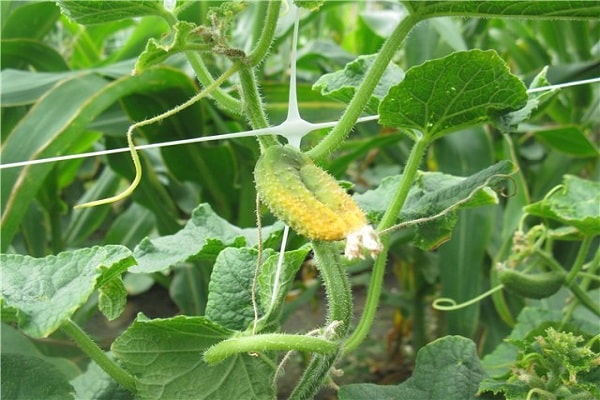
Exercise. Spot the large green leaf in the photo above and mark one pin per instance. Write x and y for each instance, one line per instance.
(447, 368)
(94, 12)
(165, 355)
(46, 291)
(18, 53)
(96, 384)
(28, 377)
(273, 289)
(433, 194)
(202, 238)
(341, 85)
(509, 9)
(451, 93)
(574, 203)
(52, 126)
(230, 289)
(32, 21)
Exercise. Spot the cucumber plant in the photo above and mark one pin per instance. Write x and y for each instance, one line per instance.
(236, 272)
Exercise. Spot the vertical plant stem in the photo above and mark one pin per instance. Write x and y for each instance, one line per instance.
(98, 355)
(253, 108)
(266, 38)
(322, 150)
(389, 218)
(340, 311)
(580, 259)
(225, 100)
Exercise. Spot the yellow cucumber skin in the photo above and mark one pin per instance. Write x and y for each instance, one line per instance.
(304, 196)
(532, 286)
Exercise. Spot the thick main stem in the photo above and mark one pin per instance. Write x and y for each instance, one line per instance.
(339, 316)
(253, 107)
(98, 355)
(322, 150)
(389, 218)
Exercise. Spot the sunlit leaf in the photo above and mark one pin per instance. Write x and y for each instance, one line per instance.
(451, 93)
(46, 291)
(165, 355)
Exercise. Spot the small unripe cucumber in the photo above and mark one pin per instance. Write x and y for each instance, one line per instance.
(532, 286)
(304, 196)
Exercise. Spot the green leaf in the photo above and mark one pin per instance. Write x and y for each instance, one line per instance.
(52, 126)
(113, 298)
(165, 355)
(26, 87)
(130, 227)
(48, 290)
(230, 289)
(509, 122)
(341, 85)
(95, 12)
(96, 384)
(434, 193)
(447, 368)
(568, 139)
(510, 9)
(271, 292)
(202, 238)
(22, 53)
(28, 377)
(32, 21)
(156, 52)
(447, 94)
(573, 203)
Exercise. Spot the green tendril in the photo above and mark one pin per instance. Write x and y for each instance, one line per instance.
(453, 306)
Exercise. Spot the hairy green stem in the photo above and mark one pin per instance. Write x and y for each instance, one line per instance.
(267, 342)
(98, 355)
(389, 218)
(322, 150)
(339, 316)
(228, 102)
(266, 38)
(253, 108)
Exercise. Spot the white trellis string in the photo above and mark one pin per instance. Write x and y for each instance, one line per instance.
(293, 125)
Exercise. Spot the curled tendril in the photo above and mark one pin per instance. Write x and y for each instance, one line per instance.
(439, 304)
(134, 154)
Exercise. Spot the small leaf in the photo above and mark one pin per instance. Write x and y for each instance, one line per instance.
(230, 289)
(28, 377)
(156, 52)
(48, 290)
(451, 93)
(202, 238)
(573, 203)
(94, 12)
(509, 122)
(113, 298)
(165, 355)
(451, 362)
(341, 85)
(312, 5)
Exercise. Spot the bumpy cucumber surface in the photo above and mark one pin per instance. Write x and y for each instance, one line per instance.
(532, 286)
(304, 196)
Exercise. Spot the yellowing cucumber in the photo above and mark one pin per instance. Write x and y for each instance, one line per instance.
(304, 196)
(532, 286)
